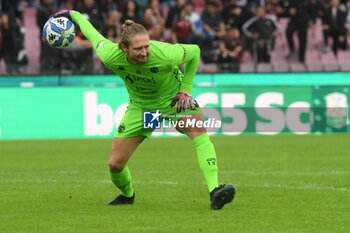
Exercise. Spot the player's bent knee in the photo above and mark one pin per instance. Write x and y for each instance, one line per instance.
(116, 166)
(193, 133)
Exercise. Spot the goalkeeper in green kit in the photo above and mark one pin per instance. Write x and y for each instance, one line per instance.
(150, 71)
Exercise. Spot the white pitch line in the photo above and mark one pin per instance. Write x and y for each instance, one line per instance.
(307, 187)
(245, 172)
(283, 173)
(166, 182)
(145, 182)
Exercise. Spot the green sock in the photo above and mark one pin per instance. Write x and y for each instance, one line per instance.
(207, 160)
(123, 181)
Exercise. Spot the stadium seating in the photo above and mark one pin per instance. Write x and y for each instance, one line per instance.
(315, 59)
(32, 35)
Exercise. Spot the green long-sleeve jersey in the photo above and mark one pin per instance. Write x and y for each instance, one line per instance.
(155, 83)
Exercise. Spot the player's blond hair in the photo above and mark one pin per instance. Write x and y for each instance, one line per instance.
(130, 29)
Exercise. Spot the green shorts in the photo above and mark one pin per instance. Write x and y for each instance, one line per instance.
(132, 123)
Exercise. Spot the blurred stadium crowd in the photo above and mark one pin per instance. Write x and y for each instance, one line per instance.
(234, 35)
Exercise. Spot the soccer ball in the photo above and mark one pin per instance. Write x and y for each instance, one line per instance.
(59, 32)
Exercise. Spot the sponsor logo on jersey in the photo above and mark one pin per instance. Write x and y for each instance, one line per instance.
(145, 90)
(145, 80)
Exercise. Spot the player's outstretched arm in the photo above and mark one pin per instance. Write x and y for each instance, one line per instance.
(102, 46)
(191, 60)
(87, 29)
(85, 26)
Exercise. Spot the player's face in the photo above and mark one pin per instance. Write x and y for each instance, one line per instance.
(138, 50)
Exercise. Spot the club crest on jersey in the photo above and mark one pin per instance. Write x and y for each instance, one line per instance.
(121, 68)
(154, 70)
(138, 72)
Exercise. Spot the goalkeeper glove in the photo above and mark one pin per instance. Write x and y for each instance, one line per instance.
(64, 13)
(185, 101)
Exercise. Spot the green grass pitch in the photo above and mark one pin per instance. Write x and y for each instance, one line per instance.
(284, 183)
